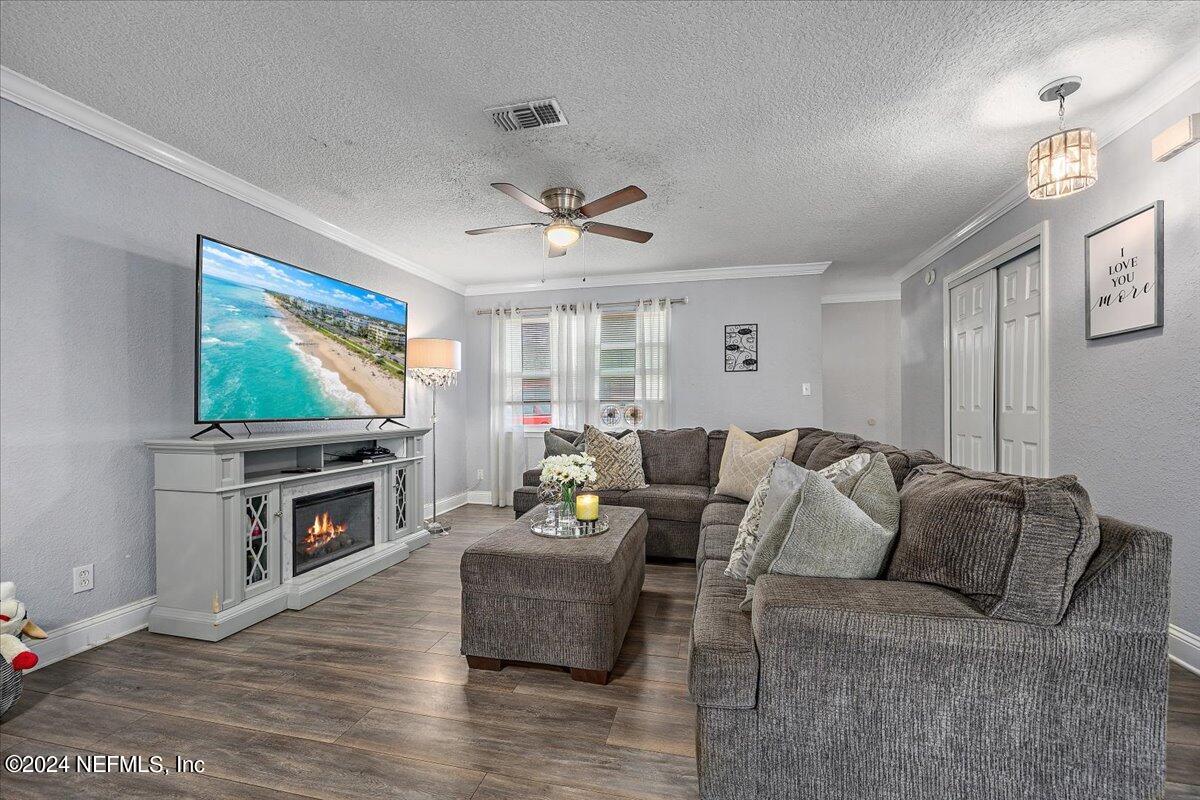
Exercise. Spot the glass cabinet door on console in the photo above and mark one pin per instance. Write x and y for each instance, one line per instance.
(256, 542)
(405, 510)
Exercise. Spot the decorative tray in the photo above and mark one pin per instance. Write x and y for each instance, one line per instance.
(572, 529)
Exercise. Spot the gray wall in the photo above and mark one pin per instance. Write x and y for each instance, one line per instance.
(861, 368)
(788, 313)
(1124, 411)
(96, 317)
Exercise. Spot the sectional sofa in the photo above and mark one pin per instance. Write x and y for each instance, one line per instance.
(859, 689)
(682, 467)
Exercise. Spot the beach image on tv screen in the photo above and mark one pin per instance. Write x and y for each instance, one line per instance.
(278, 342)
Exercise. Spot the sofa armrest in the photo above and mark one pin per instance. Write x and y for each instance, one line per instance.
(531, 477)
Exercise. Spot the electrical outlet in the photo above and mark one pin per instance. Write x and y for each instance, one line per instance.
(806, 389)
(479, 474)
(83, 579)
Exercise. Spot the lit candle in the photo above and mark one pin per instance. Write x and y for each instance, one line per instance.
(587, 507)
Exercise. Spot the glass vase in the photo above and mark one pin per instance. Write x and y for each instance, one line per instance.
(566, 515)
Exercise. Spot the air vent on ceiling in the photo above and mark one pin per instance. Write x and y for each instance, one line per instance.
(534, 114)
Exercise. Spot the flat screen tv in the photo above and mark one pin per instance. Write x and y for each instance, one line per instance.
(277, 342)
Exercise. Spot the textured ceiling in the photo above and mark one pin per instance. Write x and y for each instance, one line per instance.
(764, 133)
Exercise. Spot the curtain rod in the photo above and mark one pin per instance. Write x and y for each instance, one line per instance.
(484, 312)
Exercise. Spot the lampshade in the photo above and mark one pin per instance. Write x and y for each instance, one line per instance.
(434, 354)
(1062, 164)
(434, 362)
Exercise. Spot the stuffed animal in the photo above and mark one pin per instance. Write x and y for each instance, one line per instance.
(12, 624)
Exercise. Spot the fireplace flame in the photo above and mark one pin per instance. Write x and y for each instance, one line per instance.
(321, 533)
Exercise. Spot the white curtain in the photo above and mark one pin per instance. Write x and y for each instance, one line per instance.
(574, 351)
(653, 345)
(507, 432)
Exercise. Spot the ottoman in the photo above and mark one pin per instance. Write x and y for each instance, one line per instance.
(566, 602)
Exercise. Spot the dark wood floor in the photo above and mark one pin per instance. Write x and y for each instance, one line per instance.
(364, 694)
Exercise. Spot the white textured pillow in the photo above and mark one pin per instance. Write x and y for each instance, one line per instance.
(618, 461)
(747, 532)
(746, 460)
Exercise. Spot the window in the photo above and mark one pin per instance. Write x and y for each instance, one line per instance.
(618, 357)
(535, 371)
(614, 357)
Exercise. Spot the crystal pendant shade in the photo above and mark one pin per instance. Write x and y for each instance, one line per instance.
(1062, 164)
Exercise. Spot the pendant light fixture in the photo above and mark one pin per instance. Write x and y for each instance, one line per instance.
(1064, 162)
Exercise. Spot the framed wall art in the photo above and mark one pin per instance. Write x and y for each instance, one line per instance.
(1123, 274)
(741, 347)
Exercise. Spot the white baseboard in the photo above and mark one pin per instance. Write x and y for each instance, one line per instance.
(1184, 647)
(479, 498)
(92, 632)
(447, 503)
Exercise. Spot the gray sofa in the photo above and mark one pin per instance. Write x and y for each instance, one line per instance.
(835, 689)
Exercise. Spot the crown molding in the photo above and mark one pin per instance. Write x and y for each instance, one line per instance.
(862, 297)
(25, 91)
(642, 278)
(1163, 88)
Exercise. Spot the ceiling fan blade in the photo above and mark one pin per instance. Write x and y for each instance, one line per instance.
(619, 232)
(611, 202)
(521, 197)
(502, 228)
(553, 251)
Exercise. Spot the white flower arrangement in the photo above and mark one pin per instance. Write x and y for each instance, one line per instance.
(573, 470)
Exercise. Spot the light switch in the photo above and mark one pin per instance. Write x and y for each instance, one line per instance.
(806, 389)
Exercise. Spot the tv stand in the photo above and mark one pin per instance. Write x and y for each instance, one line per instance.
(386, 421)
(216, 426)
(226, 522)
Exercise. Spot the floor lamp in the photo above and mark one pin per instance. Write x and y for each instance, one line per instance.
(436, 364)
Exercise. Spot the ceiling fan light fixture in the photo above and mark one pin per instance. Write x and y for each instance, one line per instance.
(562, 233)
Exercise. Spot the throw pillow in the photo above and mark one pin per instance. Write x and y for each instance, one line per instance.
(558, 445)
(873, 490)
(785, 476)
(746, 460)
(1015, 545)
(618, 461)
(820, 532)
(747, 531)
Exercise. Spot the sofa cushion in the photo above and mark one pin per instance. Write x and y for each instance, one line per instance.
(675, 456)
(723, 513)
(556, 445)
(532, 477)
(682, 502)
(524, 499)
(716, 543)
(901, 461)
(809, 439)
(1013, 544)
(722, 657)
(832, 449)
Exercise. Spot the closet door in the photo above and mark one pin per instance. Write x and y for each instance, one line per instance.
(973, 372)
(1019, 366)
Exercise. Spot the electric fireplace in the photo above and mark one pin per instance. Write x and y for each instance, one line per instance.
(331, 525)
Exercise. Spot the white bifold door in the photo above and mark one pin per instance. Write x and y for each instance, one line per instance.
(996, 370)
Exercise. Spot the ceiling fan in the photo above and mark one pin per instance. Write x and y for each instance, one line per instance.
(566, 209)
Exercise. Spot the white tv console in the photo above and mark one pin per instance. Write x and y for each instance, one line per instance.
(223, 523)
